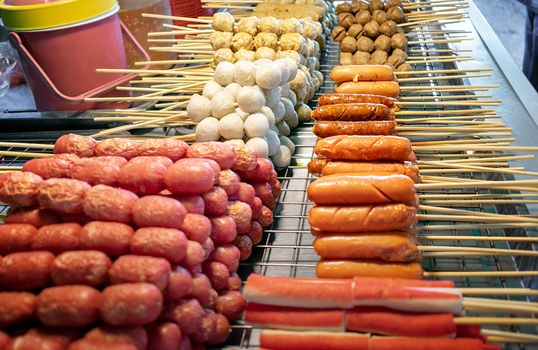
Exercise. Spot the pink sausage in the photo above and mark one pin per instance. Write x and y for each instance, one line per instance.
(111, 238)
(186, 314)
(261, 173)
(167, 243)
(158, 211)
(144, 175)
(26, 271)
(194, 204)
(111, 160)
(94, 172)
(229, 181)
(244, 243)
(264, 191)
(171, 148)
(31, 216)
(57, 238)
(231, 304)
(215, 201)
(245, 159)
(62, 195)
(222, 330)
(207, 329)
(179, 285)
(194, 256)
(164, 336)
(136, 336)
(218, 274)
(118, 147)
(242, 215)
(201, 286)
(266, 217)
(68, 306)
(224, 229)
(220, 152)
(16, 308)
(234, 282)
(85, 344)
(48, 167)
(16, 238)
(131, 304)
(255, 232)
(189, 176)
(109, 204)
(228, 255)
(86, 267)
(256, 208)
(82, 146)
(196, 227)
(245, 194)
(19, 189)
(134, 269)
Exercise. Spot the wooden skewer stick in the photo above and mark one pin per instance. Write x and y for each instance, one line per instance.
(448, 111)
(494, 274)
(434, 41)
(498, 320)
(446, 97)
(133, 126)
(498, 291)
(26, 145)
(450, 134)
(445, 77)
(486, 304)
(480, 238)
(473, 213)
(428, 21)
(455, 59)
(478, 184)
(447, 119)
(493, 251)
(464, 141)
(480, 201)
(436, 50)
(25, 154)
(476, 226)
(448, 87)
(475, 148)
(503, 336)
(435, 71)
(176, 18)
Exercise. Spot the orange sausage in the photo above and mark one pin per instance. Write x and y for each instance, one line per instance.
(359, 189)
(367, 72)
(365, 268)
(392, 246)
(404, 168)
(353, 112)
(332, 99)
(316, 165)
(384, 88)
(345, 147)
(324, 129)
(362, 218)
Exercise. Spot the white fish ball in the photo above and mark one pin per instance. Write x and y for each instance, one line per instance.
(268, 112)
(279, 111)
(282, 159)
(233, 89)
(198, 108)
(292, 67)
(285, 89)
(207, 130)
(250, 99)
(237, 142)
(272, 96)
(273, 142)
(231, 126)
(284, 140)
(224, 73)
(211, 88)
(221, 104)
(283, 128)
(259, 146)
(268, 76)
(262, 61)
(303, 111)
(241, 113)
(293, 98)
(284, 70)
(245, 73)
(256, 125)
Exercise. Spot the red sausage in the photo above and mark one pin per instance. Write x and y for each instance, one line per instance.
(194, 204)
(48, 167)
(220, 152)
(186, 314)
(16, 238)
(266, 217)
(111, 160)
(68, 306)
(31, 216)
(265, 192)
(223, 230)
(229, 181)
(16, 308)
(215, 201)
(111, 238)
(171, 148)
(234, 282)
(207, 329)
(255, 232)
(57, 238)
(196, 227)
(82, 146)
(208, 247)
(189, 176)
(85, 344)
(242, 215)
(245, 159)
(261, 173)
(244, 243)
(256, 207)
(136, 336)
(227, 254)
(26, 271)
(194, 257)
(34, 342)
(144, 175)
(62, 195)
(4, 340)
(86, 267)
(218, 274)
(158, 211)
(118, 147)
(201, 287)
(131, 304)
(179, 285)
(163, 336)
(245, 194)
(19, 189)
(167, 243)
(222, 330)
(109, 204)
(231, 304)
(68, 157)
(133, 269)
(95, 172)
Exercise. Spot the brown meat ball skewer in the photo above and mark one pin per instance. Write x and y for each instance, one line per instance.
(379, 16)
(361, 57)
(359, 5)
(378, 57)
(338, 33)
(405, 67)
(371, 29)
(398, 41)
(376, 5)
(395, 14)
(363, 17)
(382, 43)
(344, 7)
(365, 44)
(349, 44)
(346, 19)
(355, 30)
(346, 58)
(389, 28)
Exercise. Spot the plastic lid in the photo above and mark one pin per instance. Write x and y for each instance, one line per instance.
(49, 15)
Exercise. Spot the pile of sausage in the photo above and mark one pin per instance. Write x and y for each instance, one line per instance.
(365, 202)
(250, 104)
(368, 33)
(129, 245)
(268, 38)
(413, 314)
